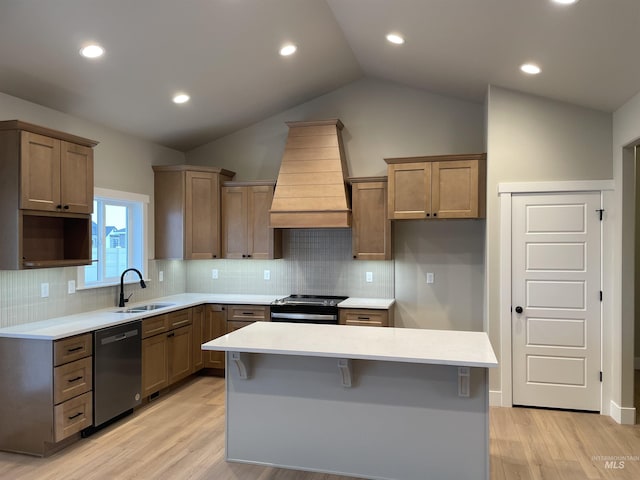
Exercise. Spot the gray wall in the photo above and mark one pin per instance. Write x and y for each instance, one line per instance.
(381, 120)
(121, 162)
(626, 135)
(532, 139)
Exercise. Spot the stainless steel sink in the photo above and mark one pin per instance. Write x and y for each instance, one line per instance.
(145, 308)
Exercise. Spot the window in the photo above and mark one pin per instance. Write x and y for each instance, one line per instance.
(118, 237)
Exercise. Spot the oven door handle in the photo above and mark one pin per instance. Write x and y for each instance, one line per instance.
(302, 316)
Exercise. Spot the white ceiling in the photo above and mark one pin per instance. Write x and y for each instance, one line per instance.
(224, 54)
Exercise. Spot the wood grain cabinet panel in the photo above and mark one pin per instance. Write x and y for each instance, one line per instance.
(198, 337)
(443, 186)
(187, 211)
(245, 221)
(366, 317)
(72, 416)
(72, 348)
(72, 379)
(46, 193)
(371, 229)
(216, 326)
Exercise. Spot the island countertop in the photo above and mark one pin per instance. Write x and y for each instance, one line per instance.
(442, 347)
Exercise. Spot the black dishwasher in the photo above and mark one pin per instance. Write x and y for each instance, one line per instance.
(117, 371)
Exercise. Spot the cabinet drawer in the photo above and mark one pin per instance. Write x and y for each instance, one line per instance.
(248, 312)
(72, 348)
(72, 379)
(154, 325)
(72, 416)
(233, 325)
(180, 318)
(371, 318)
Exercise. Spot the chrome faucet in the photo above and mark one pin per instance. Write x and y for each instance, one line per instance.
(142, 284)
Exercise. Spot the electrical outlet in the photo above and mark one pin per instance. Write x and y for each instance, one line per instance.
(44, 290)
(369, 277)
(71, 287)
(214, 273)
(161, 276)
(429, 277)
(267, 274)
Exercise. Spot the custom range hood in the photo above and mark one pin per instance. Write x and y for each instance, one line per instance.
(311, 191)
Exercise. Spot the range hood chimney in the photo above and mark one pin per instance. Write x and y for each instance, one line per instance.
(311, 191)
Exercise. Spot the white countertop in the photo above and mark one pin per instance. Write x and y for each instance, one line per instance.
(61, 327)
(445, 347)
(368, 303)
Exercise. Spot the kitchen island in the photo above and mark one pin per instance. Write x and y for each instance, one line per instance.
(378, 403)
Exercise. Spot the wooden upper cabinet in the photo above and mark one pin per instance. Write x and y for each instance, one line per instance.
(371, 229)
(55, 175)
(187, 211)
(46, 193)
(245, 221)
(443, 186)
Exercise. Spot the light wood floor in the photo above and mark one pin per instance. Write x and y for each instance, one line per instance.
(181, 436)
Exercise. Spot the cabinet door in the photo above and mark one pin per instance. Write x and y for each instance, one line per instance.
(409, 190)
(455, 189)
(180, 353)
(40, 172)
(216, 327)
(371, 228)
(76, 177)
(198, 336)
(201, 216)
(264, 242)
(234, 325)
(234, 222)
(154, 364)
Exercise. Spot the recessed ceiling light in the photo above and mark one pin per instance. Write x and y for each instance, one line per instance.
(181, 98)
(395, 38)
(92, 51)
(288, 49)
(530, 68)
(565, 2)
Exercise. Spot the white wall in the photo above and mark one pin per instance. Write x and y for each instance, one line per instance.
(626, 134)
(535, 139)
(383, 119)
(121, 162)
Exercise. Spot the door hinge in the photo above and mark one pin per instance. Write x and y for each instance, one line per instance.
(600, 295)
(600, 376)
(600, 211)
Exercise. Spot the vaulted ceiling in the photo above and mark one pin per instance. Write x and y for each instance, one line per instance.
(224, 53)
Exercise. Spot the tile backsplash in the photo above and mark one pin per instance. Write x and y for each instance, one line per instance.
(316, 261)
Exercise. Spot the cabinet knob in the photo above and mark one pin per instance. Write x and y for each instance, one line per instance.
(435, 214)
(519, 309)
(428, 214)
(213, 256)
(248, 256)
(58, 206)
(66, 207)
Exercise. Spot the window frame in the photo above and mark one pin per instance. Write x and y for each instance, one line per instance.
(116, 197)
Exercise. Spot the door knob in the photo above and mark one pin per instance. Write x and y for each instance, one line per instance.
(518, 309)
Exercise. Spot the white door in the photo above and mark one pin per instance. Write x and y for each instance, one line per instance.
(556, 303)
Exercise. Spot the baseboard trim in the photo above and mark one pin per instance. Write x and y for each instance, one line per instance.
(495, 398)
(623, 415)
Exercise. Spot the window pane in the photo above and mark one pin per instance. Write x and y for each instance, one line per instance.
(116, 251)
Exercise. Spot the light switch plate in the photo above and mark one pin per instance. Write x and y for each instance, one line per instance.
(44, 290)
(267, 274)
(429, 277)
(369, 277)
(214, 273)
(161, 276)
(71, 287)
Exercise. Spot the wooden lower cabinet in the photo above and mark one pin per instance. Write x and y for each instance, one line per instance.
(47, 392)
(216, 326)
(234, 325)
(366, 317)
(167, 357)
(155, 364)
(198, 337)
